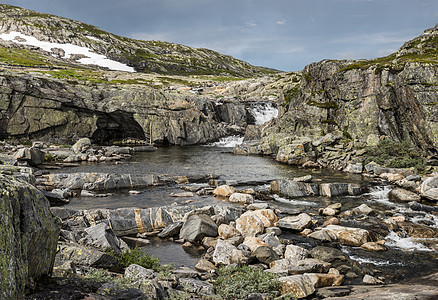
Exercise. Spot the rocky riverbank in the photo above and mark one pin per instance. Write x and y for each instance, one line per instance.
(308, 251)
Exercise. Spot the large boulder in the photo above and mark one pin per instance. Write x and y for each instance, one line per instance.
(399, 194)
(345, 235)
(297, 285)
(292, 188)
(296, 223)
(197, 227)
(81, 145)
(226, 254)
(28, 237)
(241, 198)
(249, 224)
(33, 156)
(101, 236)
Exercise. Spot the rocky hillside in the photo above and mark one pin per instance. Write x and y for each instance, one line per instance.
(62, 80)
(361, 102)
(141, 56)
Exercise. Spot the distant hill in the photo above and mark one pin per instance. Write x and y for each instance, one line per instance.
(30, 38)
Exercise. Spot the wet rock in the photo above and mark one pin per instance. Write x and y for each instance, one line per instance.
(224, 191)
(356, 168)
(331, 221)
(333, 189)
(296, 223)
(295, 252)
(362, 209)
(292, 188)
(419, 231)
(374, 247)
(422, 207)
(298, 285)
(328, 292)
(345, 235)
(403, 195)
(197, 227)
(368, 279)
(391, 177)
(307, 178)
(28, 237)
(99, 181)
(241, 198)
(33, 156)
(101, 236)
(171, 230)
(227, 231)
(81, 145)
(431, 194)
(249, 224)
(265, 254)
(226, 254)
(183, 194)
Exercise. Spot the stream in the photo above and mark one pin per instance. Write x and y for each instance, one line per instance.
(405, 258)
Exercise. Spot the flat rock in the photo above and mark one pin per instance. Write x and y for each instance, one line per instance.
(296, 223)
(241, 198)
(403, 195)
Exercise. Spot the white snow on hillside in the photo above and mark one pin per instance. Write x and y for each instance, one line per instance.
(69, 49)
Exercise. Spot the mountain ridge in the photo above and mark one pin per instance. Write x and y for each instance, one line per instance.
(144, 56)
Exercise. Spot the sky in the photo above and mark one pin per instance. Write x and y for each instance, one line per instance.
(282, 34)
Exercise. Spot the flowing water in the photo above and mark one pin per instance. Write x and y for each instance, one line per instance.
(405, 258)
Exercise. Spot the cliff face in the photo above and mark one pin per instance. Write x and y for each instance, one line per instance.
(394, 96)
(39, 106)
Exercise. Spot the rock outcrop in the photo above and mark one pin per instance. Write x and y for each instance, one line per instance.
(28, 237)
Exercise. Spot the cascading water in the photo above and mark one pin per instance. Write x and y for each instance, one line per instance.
(264, 112)
(229, 142)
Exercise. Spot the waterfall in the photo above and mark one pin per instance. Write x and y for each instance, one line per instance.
(264, 112)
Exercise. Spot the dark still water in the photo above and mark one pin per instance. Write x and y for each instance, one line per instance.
(406, 257)
(194, 161)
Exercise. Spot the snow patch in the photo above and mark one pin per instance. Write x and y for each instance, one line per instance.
(69, 49)
(95, 39)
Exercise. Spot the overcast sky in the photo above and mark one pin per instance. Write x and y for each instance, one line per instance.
(281, 34)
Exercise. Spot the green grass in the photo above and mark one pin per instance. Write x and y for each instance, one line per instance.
(291, 94)
(22, 57)
(138, 257)
(240, 281)
(393, 154)
(325, 105)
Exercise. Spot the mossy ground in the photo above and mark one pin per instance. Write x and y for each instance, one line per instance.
(393, 154)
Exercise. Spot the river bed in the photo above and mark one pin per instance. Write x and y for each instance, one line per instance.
(405, 258)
